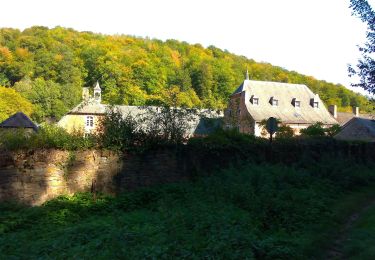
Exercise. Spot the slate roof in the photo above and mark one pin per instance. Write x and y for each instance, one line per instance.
(19, 120)
(198, 125)
(285, 111)
(344, 117)
(90, 107)
(358, 129)
(241, 87)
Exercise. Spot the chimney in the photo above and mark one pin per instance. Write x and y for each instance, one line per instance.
(356, 111)
(85, 94)
(333, 110)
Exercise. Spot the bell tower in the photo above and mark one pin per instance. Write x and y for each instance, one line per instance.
(97, 93)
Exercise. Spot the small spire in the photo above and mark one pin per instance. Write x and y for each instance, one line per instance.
(247, 74)
(97, 93)
(97, 85)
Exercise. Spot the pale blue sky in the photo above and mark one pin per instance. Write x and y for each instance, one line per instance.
(313, 37)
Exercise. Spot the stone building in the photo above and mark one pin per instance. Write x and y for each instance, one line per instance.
(344, 117)
(358, 129)
(294, 105)
(86, 116)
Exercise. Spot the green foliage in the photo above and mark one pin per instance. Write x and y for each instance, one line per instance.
(256, 211)
(119, 132)
(317, 129)
(284, 132)
(156, 126)
(314, 130)
(48, 136)
(360, 240)
(333, 130)
(365, 68)
(134, 71)
(12, 102)
(51, 99)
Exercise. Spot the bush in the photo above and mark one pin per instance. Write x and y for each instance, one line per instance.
(317, 129)
(118, 132)
(284, 132)
(48, 136)
(314, 130)
(154, 127)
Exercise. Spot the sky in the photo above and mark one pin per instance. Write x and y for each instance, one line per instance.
(313, 37)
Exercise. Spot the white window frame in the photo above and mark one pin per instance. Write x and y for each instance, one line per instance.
(89, 124)
(254, 100)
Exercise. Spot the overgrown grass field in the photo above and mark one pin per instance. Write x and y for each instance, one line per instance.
(360, 242)
(253, 211)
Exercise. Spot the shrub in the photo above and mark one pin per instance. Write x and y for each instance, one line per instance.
(317, 129)
(284, 132)
(48, 136)
(314, 130)
(119, 132)
(333, 130)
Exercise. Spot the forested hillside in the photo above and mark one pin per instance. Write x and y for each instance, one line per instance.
(50, 66)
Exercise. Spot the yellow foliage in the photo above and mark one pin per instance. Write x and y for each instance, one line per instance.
(23, 53)
(59, 57)
(12, 102)
(175, 55)
(135, 96)
(5, 54)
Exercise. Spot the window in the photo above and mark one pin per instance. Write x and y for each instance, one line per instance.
(254, 100)
(314, 102)
(274, 101)
(89, 121)
(297, 103)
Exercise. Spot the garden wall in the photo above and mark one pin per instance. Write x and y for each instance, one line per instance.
(32, 177)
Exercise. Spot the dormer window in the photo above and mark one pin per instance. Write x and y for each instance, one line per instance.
(314, 103)
(254, 100)
(296, 102)
(274, 101)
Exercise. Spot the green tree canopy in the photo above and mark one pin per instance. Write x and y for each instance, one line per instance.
(49, 67)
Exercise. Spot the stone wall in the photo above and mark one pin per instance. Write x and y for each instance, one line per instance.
(33, 177)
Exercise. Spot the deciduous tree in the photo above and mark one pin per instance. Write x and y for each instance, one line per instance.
(365, 67)
(12, 102)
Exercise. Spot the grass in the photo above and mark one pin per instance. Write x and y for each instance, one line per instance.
(361, 238)
(255, 211)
